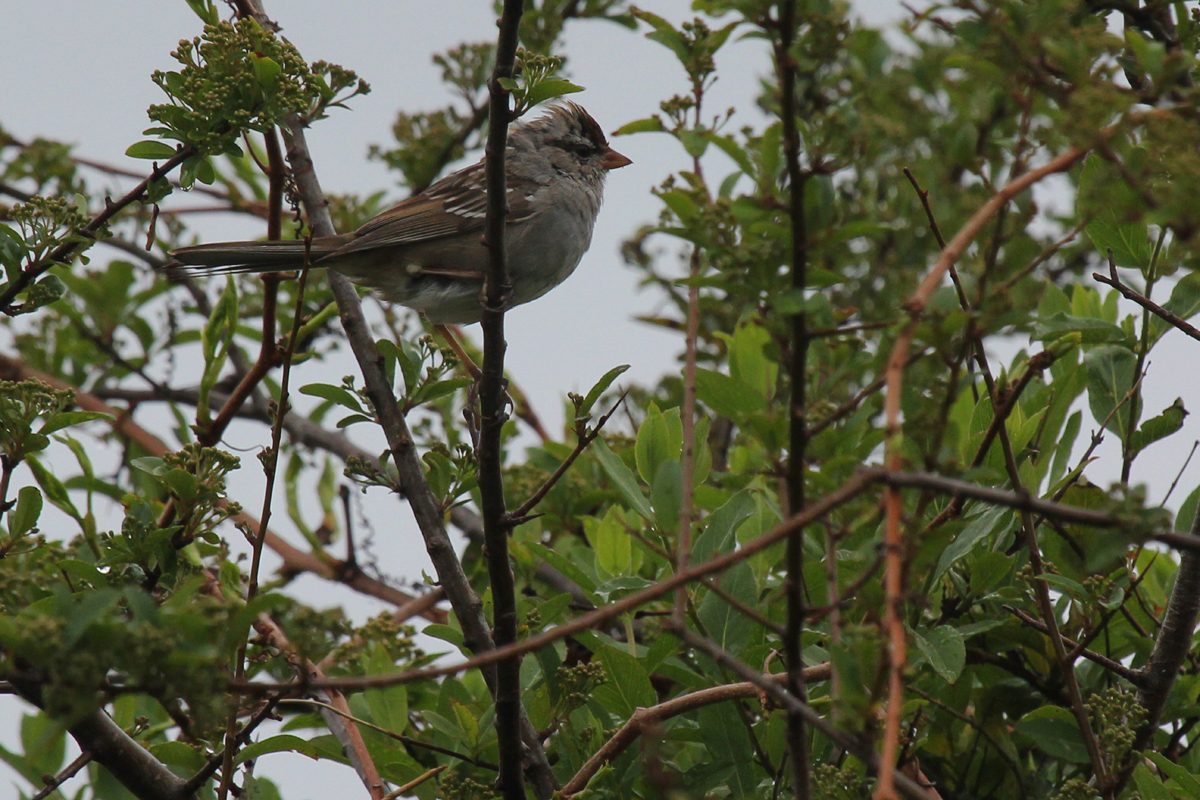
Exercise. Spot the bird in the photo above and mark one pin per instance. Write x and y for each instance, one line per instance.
(428, 252)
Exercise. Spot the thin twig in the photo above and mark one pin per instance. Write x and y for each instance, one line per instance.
(79, 239)
(400, 791)
(1117, 668)
(1171, 318)
(65, 775)
(580, 445)
(399, 737)
(893, 575)
(848, 742)
(645, 718)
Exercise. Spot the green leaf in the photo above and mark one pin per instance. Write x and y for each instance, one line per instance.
(205, 10)
(25, 514)
(549, 89)
(1149, 786)
(1184, 303)
(694, 143)
(726, 625)
(66, 419)
(628, 686)
(1160, 427)
(724, 736)
(1110, 371)
(182, 484)
(53, 489)
(667, 496)
(718, 536)
(151, 150)
(565, 566)
(468, 723)
(1054, 731)
(612, 542)
(337, 394)
(1091, 331)
(732, 149)
(977, 529)
(624, 479)
(445, 633)
(1130, 245)
(600, 388)
(388, 705)
(648, 125)
(1186, 780)
(283, 743)
(728, 397)
(266, 70)
(653, 445)
(150, 464)
(1187, 511)
(944, 649)
(748, 361)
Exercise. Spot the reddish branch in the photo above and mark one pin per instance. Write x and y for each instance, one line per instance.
(843, 739)
(646, 718)
(339, 720)
(893, 539)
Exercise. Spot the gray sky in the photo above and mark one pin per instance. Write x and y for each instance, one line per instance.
(79, 72)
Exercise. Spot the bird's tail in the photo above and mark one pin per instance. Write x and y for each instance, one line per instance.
(224, 258)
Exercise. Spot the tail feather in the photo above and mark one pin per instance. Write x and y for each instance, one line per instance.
(227, 258)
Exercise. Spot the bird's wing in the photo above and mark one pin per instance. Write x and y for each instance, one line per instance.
(453, 206)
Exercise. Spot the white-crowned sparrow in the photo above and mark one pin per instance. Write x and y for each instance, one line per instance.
(427, 252)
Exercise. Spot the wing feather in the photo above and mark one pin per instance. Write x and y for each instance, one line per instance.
(453, 206)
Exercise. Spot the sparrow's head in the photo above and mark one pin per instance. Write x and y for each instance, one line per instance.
(568, 137)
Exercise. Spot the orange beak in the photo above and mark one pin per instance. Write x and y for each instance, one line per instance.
(614, 160)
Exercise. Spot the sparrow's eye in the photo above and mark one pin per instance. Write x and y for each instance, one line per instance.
(580, 147)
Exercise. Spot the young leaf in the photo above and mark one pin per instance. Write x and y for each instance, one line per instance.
(600, 388)
(624, 479)
(150, 150)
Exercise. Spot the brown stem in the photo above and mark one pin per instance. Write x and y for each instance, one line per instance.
(65, 775)
(797, 736)
(1174, 320)
(335, 710)
(1077, 649)
(1172, 643)
(490, 456)
(847, 741)
(646, 718)
(583, 441)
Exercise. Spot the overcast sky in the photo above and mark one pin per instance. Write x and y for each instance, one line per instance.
(79, 72)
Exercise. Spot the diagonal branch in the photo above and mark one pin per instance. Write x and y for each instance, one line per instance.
(81, 238)
(1114, 280)
(646, 718)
